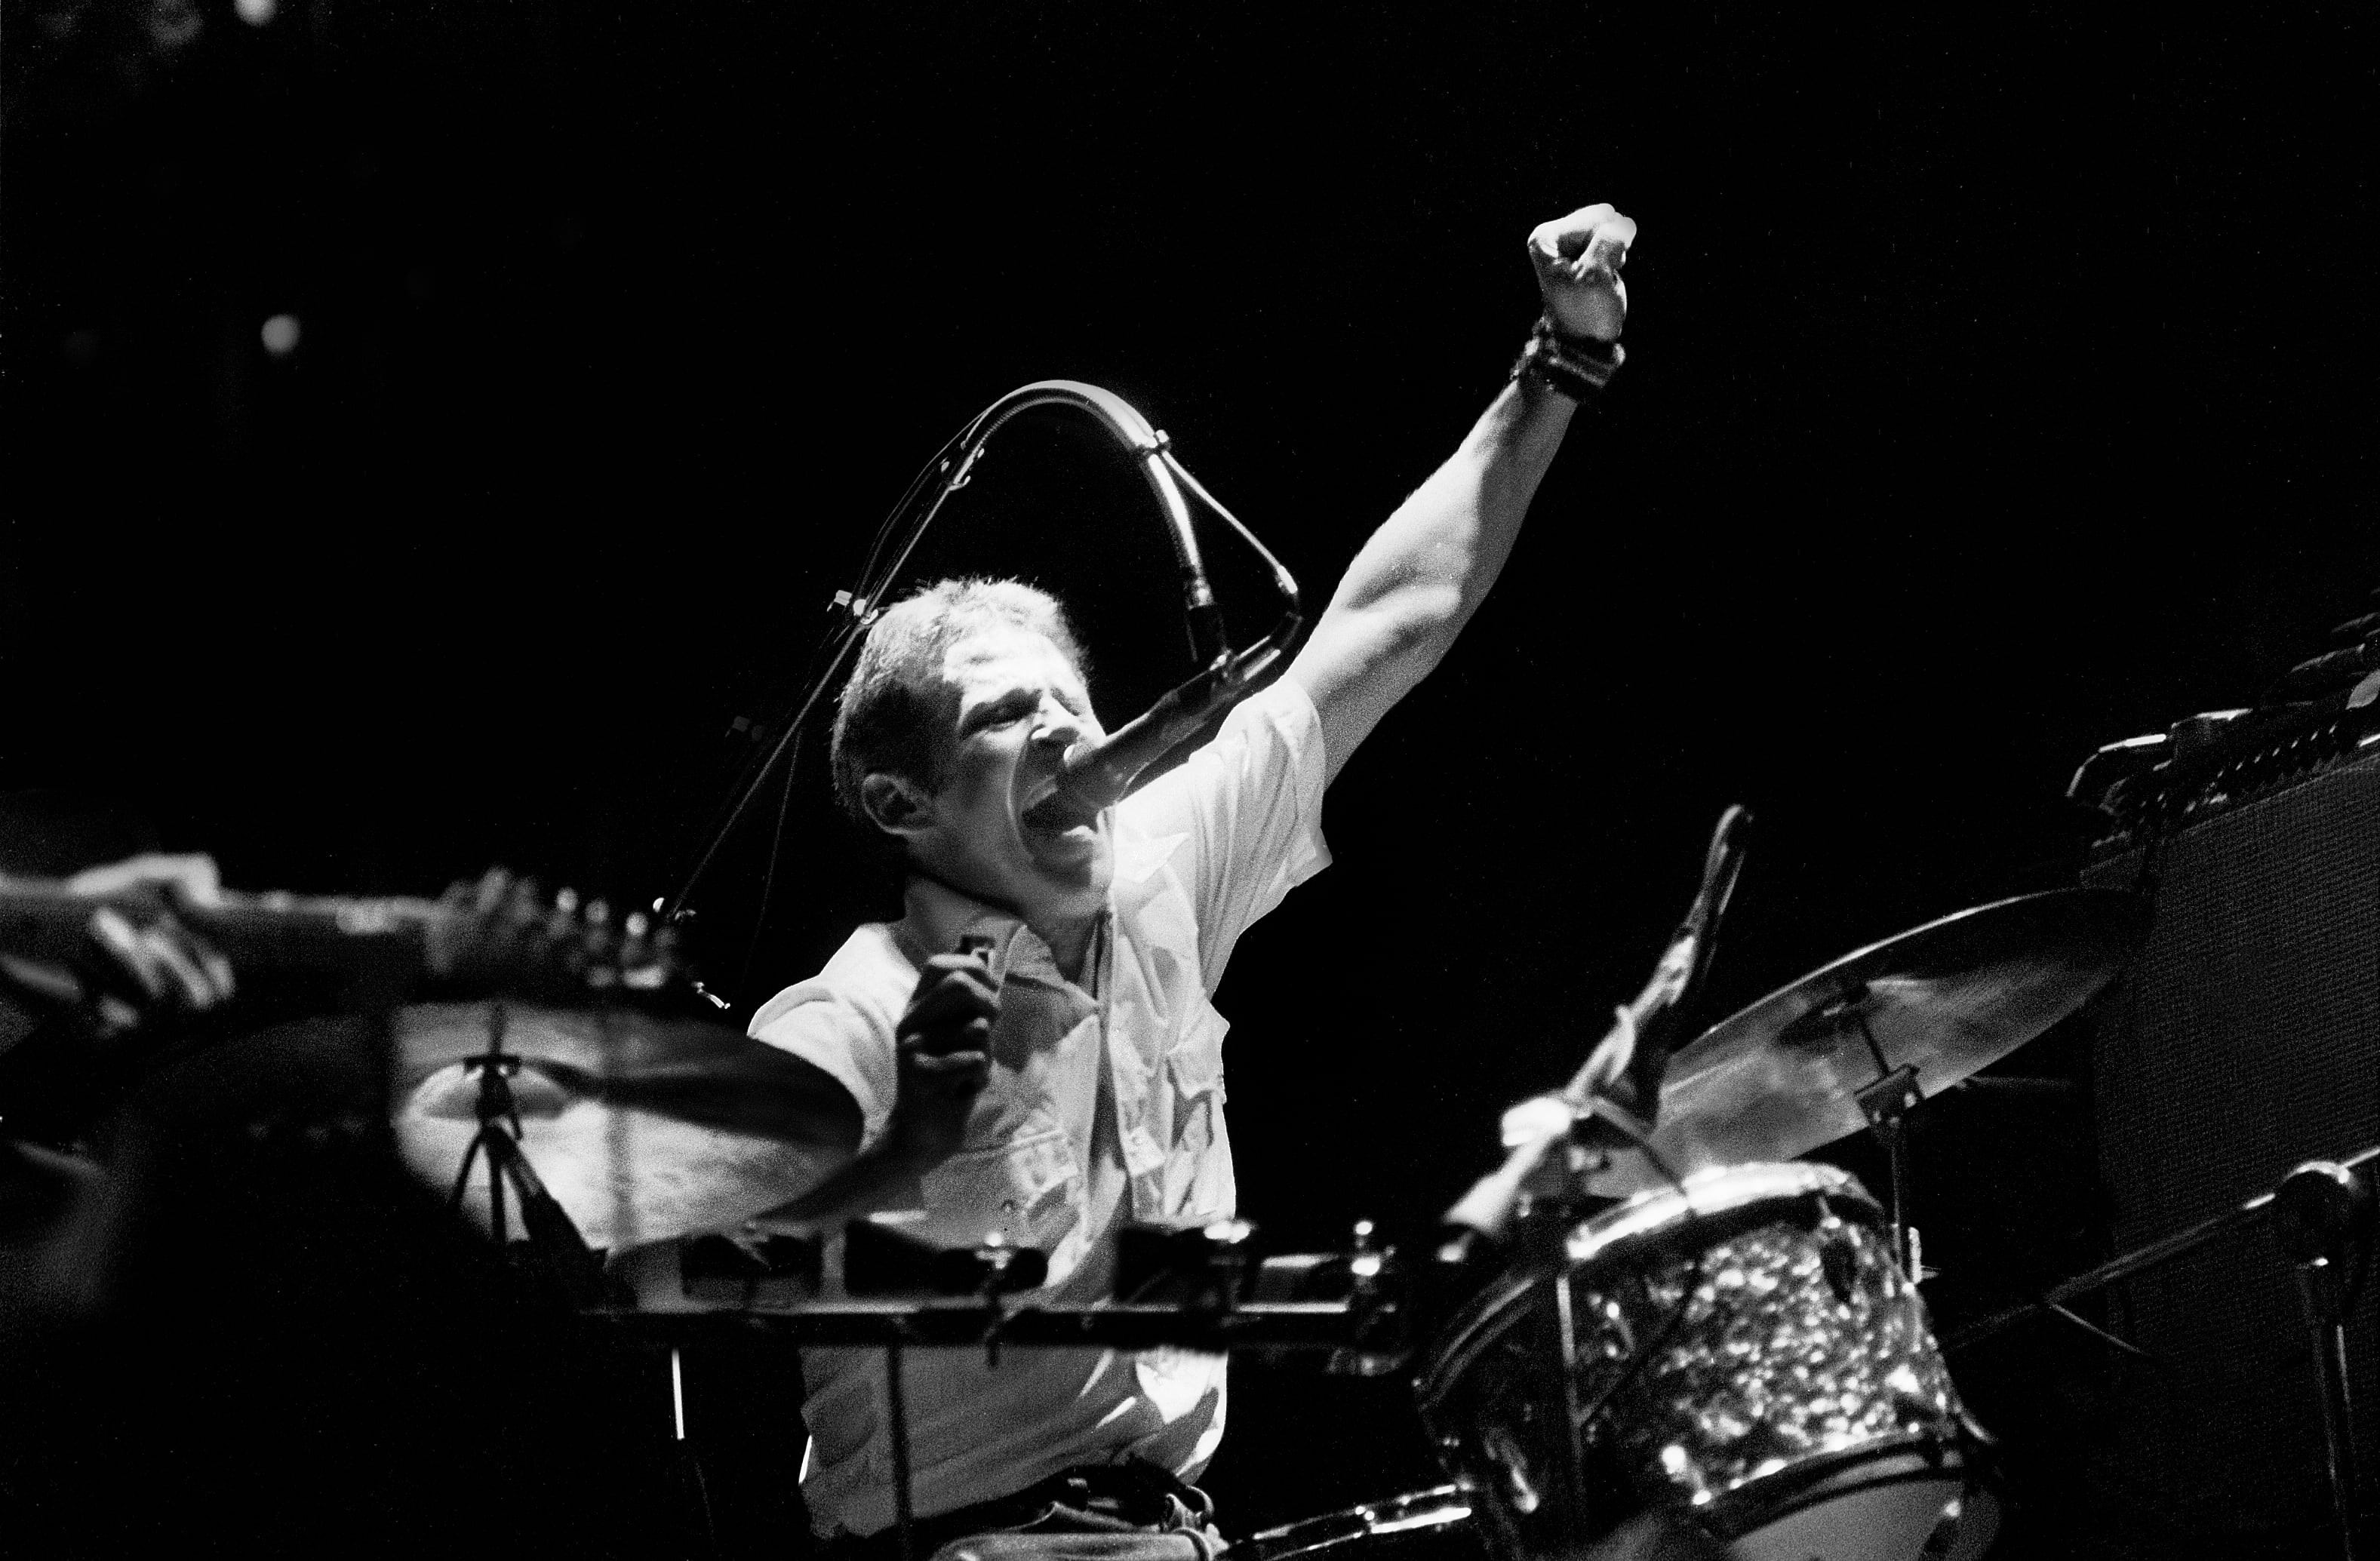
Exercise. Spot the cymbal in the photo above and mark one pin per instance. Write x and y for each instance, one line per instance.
(691, 1068)
(1780, 1078)
(643, 1127)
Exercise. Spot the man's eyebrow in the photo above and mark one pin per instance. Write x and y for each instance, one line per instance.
(995, 707)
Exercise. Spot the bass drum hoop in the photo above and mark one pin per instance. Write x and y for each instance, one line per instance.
(1897, 1461)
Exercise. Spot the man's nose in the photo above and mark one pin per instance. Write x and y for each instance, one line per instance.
(1057, 727)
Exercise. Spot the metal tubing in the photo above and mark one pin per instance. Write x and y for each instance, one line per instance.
(2321, 1292)
(1147, 447)
(2140, 1259)
(1209, 643)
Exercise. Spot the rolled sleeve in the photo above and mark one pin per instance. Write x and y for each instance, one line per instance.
(844, 1023)
(1249, 808)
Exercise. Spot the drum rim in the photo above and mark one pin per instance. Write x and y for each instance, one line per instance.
(1643, 1220)
(1819, 1477)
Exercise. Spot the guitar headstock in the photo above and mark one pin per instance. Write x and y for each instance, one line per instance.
(502, 934)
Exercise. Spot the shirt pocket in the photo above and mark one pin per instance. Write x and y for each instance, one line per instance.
(1198, 1183)
(1026, 1189)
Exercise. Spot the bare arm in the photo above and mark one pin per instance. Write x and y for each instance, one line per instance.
(1418, 580)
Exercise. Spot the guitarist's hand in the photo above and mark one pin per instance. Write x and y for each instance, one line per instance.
(138, 966)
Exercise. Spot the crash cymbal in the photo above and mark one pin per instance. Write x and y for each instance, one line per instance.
(643, 1128)
(691, 1068)
(1780, 1077)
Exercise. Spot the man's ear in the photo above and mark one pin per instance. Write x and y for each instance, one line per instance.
(895, 805)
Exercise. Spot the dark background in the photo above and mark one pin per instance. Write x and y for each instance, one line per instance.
(1999, 386)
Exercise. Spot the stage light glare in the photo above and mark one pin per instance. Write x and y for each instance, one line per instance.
(256, 13)
(280, 334)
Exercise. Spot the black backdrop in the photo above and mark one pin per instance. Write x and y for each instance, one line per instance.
(1999, 386)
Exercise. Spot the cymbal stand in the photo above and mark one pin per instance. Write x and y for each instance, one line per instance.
(1886, 1102)
(497, 1142)
(2319, 1214)
(896, 1405)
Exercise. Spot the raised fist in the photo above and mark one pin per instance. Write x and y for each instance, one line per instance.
(1578, 259)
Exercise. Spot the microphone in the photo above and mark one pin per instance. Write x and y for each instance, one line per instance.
(1097, 774)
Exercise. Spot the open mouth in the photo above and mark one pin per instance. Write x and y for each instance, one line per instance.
(1056, 824)
(1041, 812)
(1044, 816)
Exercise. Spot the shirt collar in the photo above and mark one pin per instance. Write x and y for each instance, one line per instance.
(936, 916)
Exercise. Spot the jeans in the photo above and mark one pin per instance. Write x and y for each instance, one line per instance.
(1107, 1512)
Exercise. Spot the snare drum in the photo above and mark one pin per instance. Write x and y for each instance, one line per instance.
(1746, 1355)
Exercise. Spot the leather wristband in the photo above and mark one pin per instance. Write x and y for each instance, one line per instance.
(1574, 367)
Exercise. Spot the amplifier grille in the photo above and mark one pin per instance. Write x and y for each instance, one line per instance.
(2245, 1039)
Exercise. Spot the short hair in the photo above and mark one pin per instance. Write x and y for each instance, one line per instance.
(895, 707)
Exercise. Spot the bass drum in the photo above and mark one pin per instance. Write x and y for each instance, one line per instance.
(1742, 1358)
(1432, 1525)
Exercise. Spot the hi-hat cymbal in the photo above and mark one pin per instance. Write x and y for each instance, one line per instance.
(1780, 1077)
(643, 1128)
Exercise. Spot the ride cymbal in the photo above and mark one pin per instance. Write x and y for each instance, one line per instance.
(1782, 1077)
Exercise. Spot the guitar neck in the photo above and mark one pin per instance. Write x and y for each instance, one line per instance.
(326, 934)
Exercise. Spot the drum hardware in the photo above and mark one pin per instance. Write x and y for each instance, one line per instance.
(878, 1260)
(1441, 1510)
(1379, 1290)
(1323, 1327)
(2322, 1217)
(1614, 1099)
(749, 1272)
(1744, 1350)
(1197, 1266)
(661, 1062)
(550, 1235)
(1886, 1102)
(646, 1125)
(899, 1290)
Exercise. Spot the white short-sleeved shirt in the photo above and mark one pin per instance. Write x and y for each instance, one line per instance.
(1104, 1106)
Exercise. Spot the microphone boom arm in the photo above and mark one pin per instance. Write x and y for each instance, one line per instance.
(1223, 674)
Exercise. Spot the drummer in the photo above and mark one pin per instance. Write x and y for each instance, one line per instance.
(1064, 1076)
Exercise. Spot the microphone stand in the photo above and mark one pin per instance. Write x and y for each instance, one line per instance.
(2320, 1211)
(547, 1225)
(1615, 1096)
(1223, 673)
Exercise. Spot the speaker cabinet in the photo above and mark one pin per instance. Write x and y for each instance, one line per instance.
(2244, 1040)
